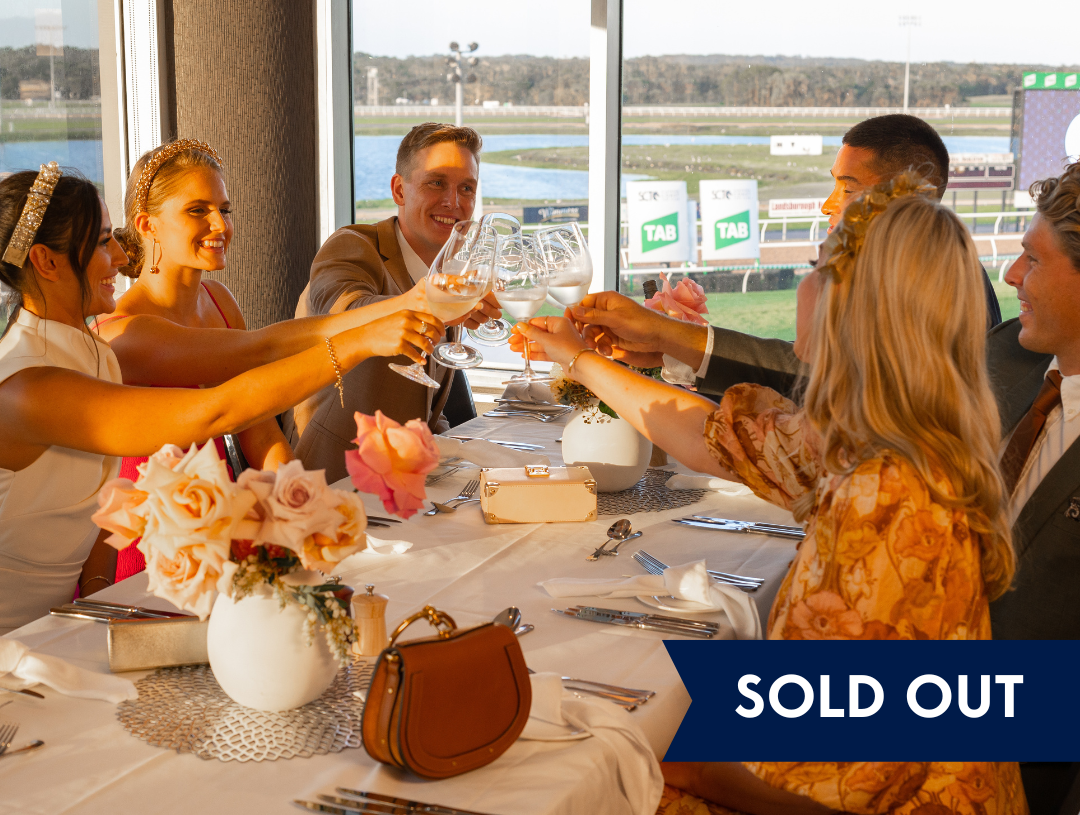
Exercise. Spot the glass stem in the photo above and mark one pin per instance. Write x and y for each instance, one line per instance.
(528, 367)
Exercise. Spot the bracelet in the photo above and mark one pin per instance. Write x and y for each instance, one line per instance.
(337, 371)
(92, 579)
(570, 367)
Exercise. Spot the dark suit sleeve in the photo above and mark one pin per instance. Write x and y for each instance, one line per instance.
(743, 358)
(993, 307)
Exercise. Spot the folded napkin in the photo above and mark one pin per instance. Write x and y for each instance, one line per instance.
(706, 482)
(537, 392)
(624, 743)
(21, 669)
(688, 582)
(381, 547)
(487, 454)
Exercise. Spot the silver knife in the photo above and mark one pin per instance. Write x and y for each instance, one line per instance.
(621, 618)
(644, 626)
(142, 612)
(741, 528)
(751, 524)
(643, 615)
(416, 806)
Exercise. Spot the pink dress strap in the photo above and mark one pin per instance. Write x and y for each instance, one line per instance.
(215, 302)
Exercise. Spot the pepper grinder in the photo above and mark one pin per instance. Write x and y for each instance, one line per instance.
(369, 612)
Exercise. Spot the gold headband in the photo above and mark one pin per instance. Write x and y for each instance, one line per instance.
(142, 189)
(845, 241)
(36, 201)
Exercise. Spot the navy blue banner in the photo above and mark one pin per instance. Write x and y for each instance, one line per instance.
(878, 701)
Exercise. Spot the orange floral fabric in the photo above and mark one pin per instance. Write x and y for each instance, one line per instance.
(881, 560)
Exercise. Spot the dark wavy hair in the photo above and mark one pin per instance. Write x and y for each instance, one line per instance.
(70, 226)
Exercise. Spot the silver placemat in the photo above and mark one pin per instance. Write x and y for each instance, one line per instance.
(185, 709)
(648, 495)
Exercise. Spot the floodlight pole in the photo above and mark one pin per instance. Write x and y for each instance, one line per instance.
(908, 22)
(459, 79)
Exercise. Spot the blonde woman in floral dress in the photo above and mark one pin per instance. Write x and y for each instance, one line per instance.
(891, 463)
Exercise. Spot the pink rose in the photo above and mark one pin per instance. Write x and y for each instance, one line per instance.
(686, 301)
(294, 504)
(392, 461)
(120, 512)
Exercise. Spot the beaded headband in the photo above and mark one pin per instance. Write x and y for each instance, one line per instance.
(36, 201)
(845, 241)
(142, 189)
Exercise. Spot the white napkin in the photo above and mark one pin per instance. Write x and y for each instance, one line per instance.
(380, 547)
(487, 454)
(21, 669)
(706, 482)
(688, 582)
(638, 773)
(537, 392)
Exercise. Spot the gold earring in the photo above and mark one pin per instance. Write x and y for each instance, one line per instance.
(155, 258)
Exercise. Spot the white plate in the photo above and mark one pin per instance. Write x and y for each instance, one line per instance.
(674, 604)
(539, 730)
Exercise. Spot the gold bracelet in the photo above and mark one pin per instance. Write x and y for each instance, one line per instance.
(570, 367)
(337, 371)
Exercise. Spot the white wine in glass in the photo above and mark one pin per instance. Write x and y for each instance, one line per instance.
(569, 265)
(521, 287)
(496, 226)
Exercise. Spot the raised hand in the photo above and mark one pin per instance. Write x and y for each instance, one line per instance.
(622, 329)
(550, 338)
(405, 332)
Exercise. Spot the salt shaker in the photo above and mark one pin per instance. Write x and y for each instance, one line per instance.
(369, 612)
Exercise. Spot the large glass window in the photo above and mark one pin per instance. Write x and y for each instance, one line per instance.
(740, 111)
(50, 86)
(524, 88)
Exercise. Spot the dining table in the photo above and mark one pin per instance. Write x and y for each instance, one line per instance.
(461, 565)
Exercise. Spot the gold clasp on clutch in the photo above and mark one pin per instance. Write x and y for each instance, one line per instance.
(537, 471)
(439, 619)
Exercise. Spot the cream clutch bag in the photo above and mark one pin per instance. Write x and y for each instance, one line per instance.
(138, 645)
(537, 494)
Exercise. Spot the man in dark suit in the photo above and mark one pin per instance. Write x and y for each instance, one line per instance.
(873, 151)
(434, 187)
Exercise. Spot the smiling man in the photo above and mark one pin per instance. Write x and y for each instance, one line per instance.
(434, 187)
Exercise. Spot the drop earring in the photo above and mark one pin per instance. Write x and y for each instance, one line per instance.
(155, 258)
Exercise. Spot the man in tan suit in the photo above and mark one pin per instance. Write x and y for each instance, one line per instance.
(434, 187)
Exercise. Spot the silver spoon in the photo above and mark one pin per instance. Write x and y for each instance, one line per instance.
(619, 531)
(509, 617)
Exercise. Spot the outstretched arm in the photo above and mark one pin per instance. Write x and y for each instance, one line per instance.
(669, 416)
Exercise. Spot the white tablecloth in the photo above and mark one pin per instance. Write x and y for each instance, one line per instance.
(459, 564)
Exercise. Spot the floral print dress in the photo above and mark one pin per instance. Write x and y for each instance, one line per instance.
(881, 560)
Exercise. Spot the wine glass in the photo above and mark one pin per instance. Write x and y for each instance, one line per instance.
(521, 287)
(459, 277)
(499, 225)
(568, 261)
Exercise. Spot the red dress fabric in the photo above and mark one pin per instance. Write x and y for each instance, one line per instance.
(130, 561)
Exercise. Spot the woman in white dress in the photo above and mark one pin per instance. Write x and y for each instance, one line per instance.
(64, 416)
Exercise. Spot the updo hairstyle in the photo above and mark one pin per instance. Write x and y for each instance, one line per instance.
(71, 226)
(162, 187)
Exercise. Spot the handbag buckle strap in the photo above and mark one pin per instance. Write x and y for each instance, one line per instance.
(440, 620)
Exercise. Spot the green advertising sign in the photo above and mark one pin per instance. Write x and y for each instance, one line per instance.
(733, 229)
(1038, 80)
(660, 232)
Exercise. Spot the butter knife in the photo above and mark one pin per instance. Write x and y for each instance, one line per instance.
(414, 806)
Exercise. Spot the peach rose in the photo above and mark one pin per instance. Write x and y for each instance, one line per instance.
(120, 513)
(392, 461)
(188, 578)
(686, 301)
(324, 550)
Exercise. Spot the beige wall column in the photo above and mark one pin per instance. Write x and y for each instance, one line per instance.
(245, 83)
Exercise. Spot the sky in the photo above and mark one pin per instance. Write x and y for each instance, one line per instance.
(79, 17)
(950, 30)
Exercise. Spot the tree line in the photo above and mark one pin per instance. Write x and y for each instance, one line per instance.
(695, 80)
(77, 74)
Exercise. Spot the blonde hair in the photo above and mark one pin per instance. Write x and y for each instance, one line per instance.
(899, 358)
(162, 186)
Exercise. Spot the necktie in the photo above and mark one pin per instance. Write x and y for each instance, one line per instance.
(1028, 429)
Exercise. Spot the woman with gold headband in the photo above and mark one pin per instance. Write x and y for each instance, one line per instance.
(178, 226)
(65, 417)
(891, 463)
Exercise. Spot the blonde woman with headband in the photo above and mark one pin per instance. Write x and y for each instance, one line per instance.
(892, 466)
(65, 417)
(179, 225)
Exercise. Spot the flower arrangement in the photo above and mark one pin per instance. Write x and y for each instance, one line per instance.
(392, 461)
(570, 392)
(202, 534)
(687, 301)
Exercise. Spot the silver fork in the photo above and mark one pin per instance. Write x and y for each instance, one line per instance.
(654, 566)
(468, 492)
(7, 735)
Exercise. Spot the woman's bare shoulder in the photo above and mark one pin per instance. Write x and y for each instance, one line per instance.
(226, 303)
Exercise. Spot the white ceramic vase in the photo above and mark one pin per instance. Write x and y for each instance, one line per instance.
(615, 453)
(260, 656)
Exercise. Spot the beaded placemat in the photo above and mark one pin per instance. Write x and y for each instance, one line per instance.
(648, 495)
(185, 709)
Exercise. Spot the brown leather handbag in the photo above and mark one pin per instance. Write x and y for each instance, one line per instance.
(444, 705)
